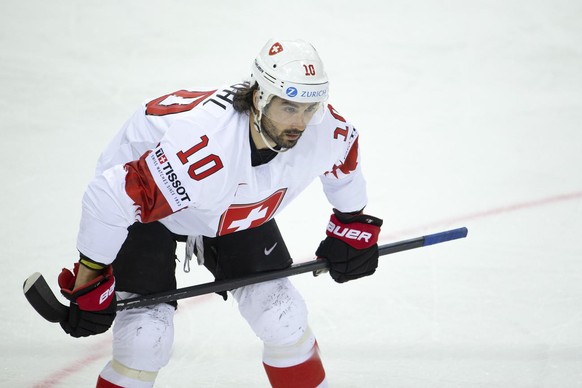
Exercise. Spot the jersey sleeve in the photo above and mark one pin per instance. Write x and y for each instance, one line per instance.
(343, 183)
(106, 213)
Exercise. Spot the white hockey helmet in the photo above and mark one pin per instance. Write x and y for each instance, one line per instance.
(291, 70)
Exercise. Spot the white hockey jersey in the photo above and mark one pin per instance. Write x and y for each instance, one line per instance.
(185, 159)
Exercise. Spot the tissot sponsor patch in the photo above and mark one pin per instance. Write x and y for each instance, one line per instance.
(167, 179)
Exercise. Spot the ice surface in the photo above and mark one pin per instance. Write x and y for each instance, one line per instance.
(470, 114)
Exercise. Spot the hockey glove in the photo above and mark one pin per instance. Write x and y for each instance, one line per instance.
(351, 246)
(93, 305)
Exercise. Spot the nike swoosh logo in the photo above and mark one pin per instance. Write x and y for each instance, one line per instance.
(268, 251)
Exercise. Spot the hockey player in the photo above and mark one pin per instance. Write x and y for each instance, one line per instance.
(214, 168)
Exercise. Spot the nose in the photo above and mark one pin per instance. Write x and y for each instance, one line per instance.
(299, 123)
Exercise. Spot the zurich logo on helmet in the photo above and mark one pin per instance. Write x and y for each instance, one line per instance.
(291, 91)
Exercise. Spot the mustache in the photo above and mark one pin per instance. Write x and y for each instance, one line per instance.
(292, 132)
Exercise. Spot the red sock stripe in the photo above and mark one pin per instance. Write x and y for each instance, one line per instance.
(102, 383)
(306, 375)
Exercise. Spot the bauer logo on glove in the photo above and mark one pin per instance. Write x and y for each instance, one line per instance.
(351, 245)
(93, 305)
(357, 237)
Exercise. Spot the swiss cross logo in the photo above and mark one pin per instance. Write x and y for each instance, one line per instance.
(162, 159)
(276, 49)
(245, 216)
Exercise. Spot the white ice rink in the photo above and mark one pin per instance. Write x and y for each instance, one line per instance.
(470, 114)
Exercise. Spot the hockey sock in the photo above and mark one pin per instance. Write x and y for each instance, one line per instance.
(102, 383)
(308, 374)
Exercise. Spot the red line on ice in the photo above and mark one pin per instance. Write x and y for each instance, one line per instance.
(486, 213)
(73, 368)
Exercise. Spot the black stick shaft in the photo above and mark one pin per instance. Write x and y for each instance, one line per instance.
(311, 266)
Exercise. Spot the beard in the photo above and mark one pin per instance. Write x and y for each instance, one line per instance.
(281, 138)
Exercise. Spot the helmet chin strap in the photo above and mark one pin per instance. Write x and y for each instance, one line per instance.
(257, 124)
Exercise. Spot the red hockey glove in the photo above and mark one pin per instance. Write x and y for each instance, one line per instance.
(351, 246)
(93, 305)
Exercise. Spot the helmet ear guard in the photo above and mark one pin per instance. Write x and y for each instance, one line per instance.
(261, 99)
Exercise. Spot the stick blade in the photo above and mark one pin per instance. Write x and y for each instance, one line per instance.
(41, 298)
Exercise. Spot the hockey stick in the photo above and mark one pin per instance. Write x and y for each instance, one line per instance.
(46, 304)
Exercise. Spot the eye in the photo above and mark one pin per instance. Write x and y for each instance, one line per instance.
(311, 108)
(290, 109)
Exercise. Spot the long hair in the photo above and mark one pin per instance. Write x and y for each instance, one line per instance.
(243, 98)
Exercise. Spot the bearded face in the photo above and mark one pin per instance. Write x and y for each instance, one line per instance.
(284, 121)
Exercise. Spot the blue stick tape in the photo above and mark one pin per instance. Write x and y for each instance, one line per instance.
(445, 236)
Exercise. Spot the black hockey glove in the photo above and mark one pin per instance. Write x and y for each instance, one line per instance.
(351, 246)
(93, 305)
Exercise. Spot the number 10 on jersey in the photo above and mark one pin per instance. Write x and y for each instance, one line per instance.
(200, 167)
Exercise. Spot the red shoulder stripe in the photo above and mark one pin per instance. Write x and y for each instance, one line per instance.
(142, 189)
